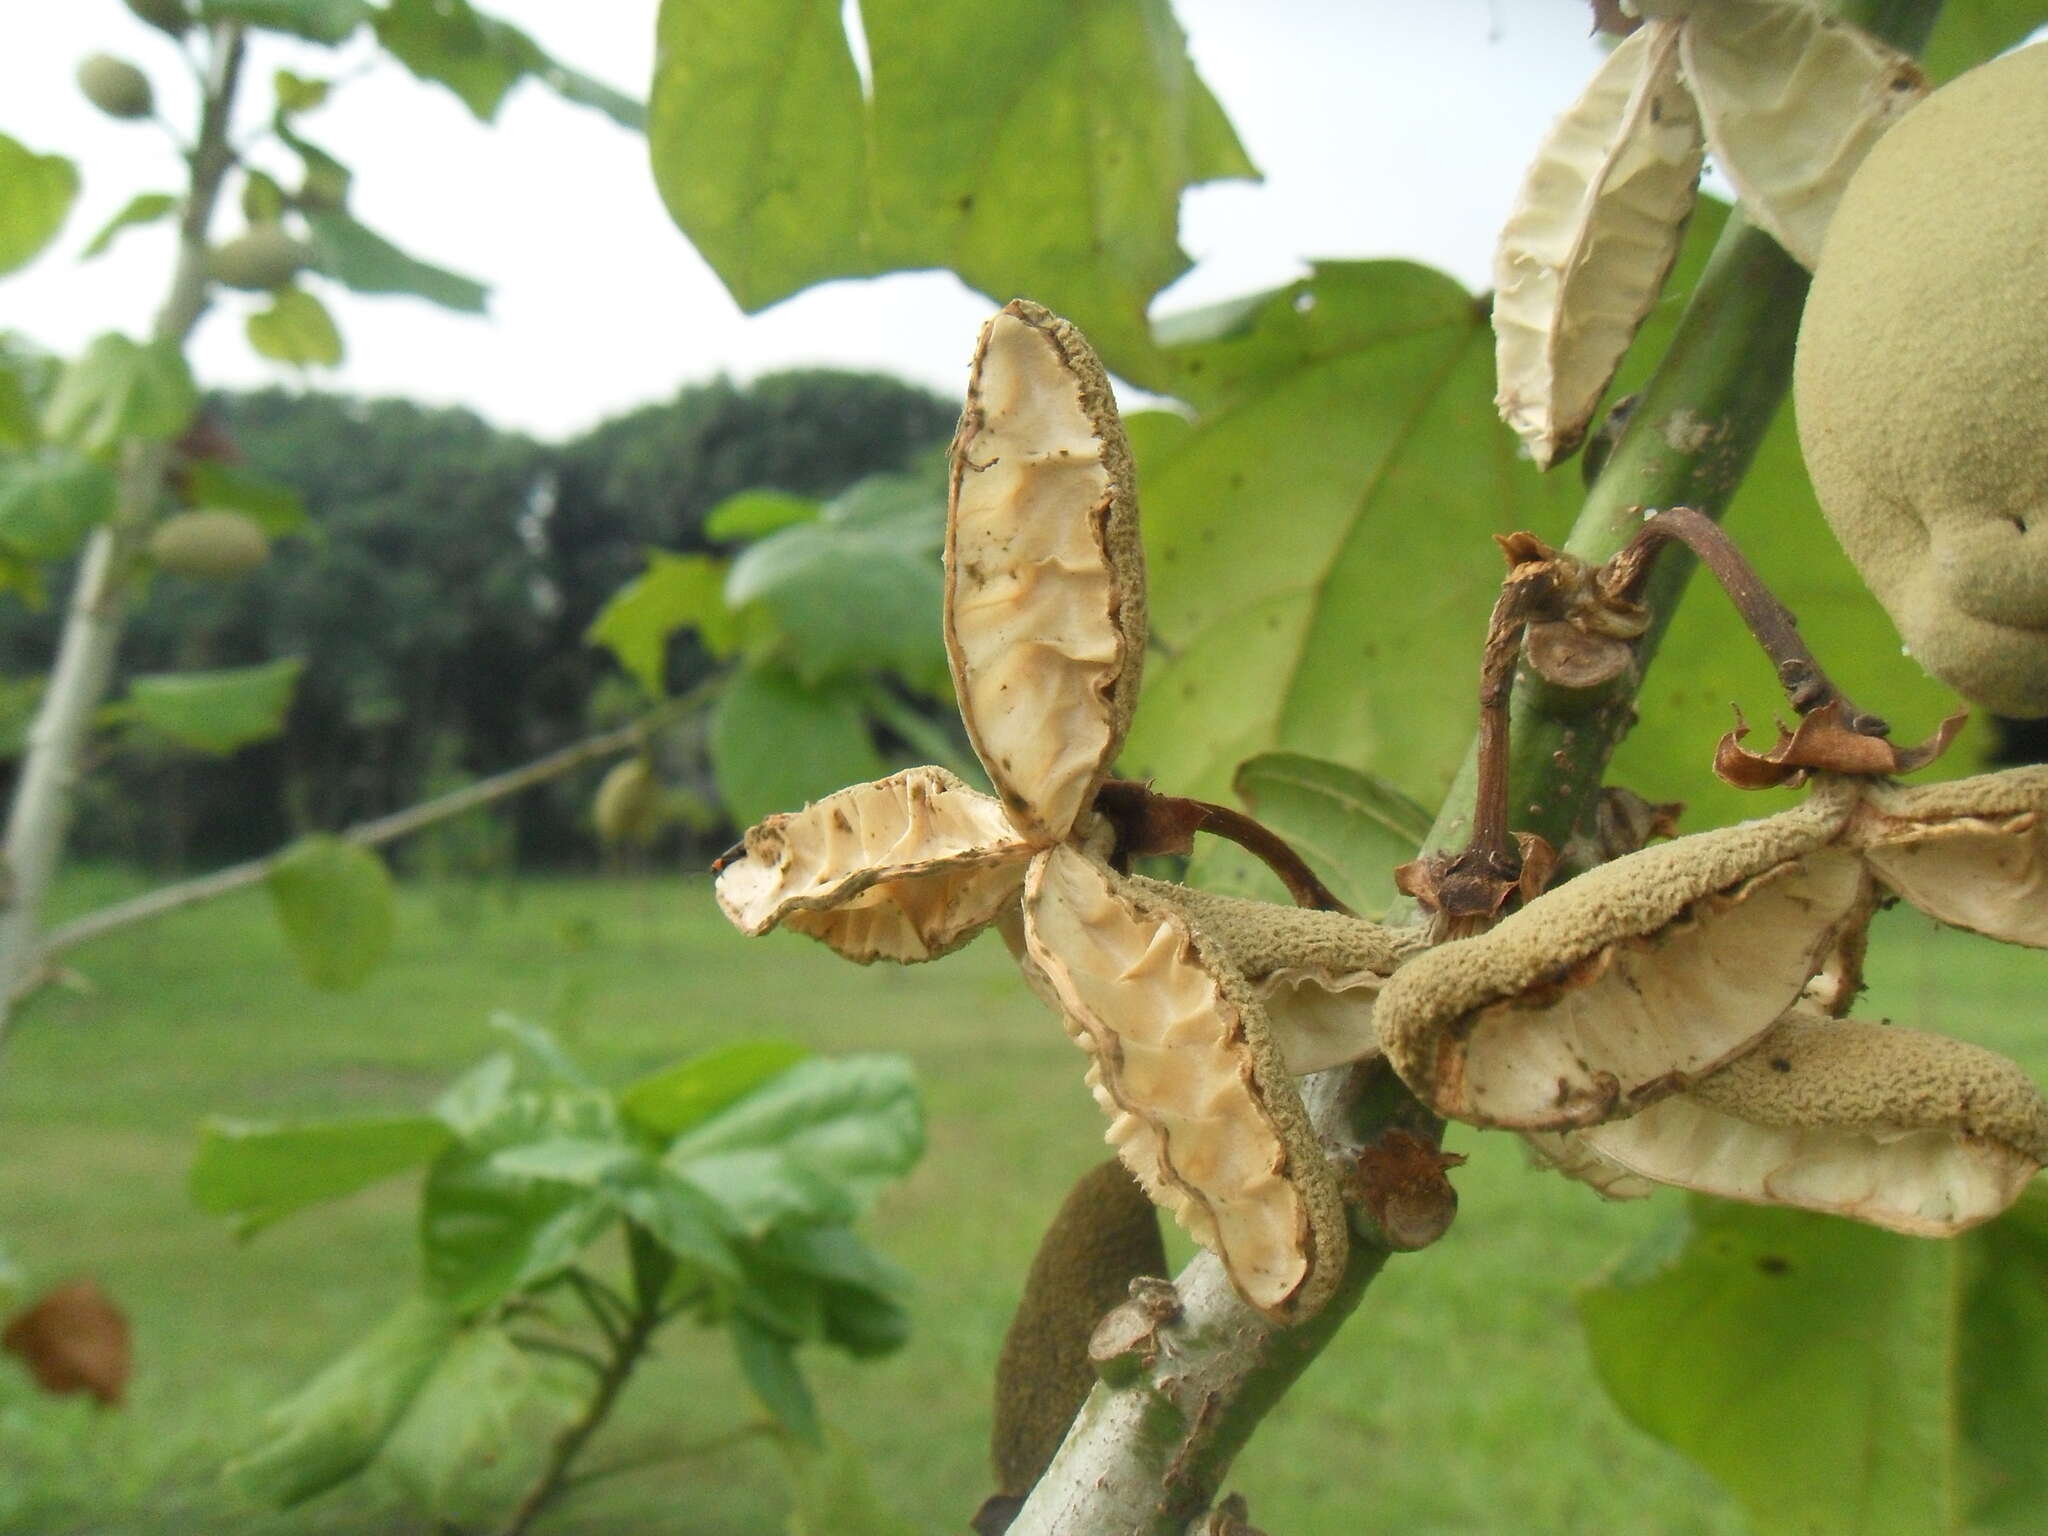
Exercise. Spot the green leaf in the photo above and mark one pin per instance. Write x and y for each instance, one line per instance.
(217, 712)
(273, 506)
(826, 1133)
(120, 390)
(678, 1216)
(1836, 1378)
(675, 592)
(752, 514)
(143, 208)
(1044, 155)
(768, 1360)
(480, 58)
(263, 200)
(776, 744)
(860, 1291)
(484, 1232)
(335, 902)
(583, 1160)
(50, 500)
(539, 1045)
(36, 193)
(833, 1494)
(859, 588)
(317, 21)
(259, 1173)
(297, 93)
(1319, 544)
(666, 1103)
(296, 329)
(332, 1427)
(1351, 827)
(1969, 32)
(479, 1096)
(366, 262)
(463, 1417)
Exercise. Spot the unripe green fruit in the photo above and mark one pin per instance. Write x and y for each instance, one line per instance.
(215, 545)
(1922, 381)
(165, 15)
(115, 86)
(1105, 1235)
(628, 806)
(258, 260)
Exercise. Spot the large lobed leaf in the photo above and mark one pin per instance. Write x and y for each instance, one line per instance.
(1840, 1380)
(1319, 544)
(1043, 150)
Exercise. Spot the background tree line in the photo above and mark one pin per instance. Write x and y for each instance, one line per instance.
(440, 599)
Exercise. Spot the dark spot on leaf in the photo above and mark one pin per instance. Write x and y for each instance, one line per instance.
(1780, 1064)
(1773, 1264)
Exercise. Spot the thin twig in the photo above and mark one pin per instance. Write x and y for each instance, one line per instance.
(1775, 627)
(367, 834)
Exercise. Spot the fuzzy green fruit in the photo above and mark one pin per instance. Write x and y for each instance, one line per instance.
(1922, 381)
(627, 811)
(115, 86)
(258, 260)
(215, 545)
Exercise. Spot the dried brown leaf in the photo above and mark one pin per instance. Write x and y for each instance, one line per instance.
(74, 1339)
(1823, 742)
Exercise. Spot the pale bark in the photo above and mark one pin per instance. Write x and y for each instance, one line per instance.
(40, 816)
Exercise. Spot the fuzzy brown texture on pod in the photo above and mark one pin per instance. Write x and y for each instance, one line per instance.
(209, 545)
(627, 810)
(1922, 381)
(258, 260)
(115, 86)
(1104, 1236)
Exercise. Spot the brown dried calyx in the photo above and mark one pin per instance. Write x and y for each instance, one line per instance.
(1915, 1132)
(1104, 1236)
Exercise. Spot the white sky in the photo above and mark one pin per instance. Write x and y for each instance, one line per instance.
(1383, 127)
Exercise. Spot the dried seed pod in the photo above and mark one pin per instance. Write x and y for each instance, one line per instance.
(1792, 99)
(1104, 1236)
(1566, 1152)
(1315, 973)
(907, 868)
(1971, 852)
(1045, 579)
(1915, 1132)
(209, 545)
(1631, 981)
(1203, 1110)
(1918, 381)
(1592, 238)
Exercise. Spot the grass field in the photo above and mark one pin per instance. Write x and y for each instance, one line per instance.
(1458, 1400)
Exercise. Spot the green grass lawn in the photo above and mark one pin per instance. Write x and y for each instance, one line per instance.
(1458, 1400)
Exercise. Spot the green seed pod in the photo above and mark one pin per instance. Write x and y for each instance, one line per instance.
(215, 545)
(627, 810)
(165, 15)
(258, 260)
(1918, 381)
(1105, 1235)
(115, 86)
